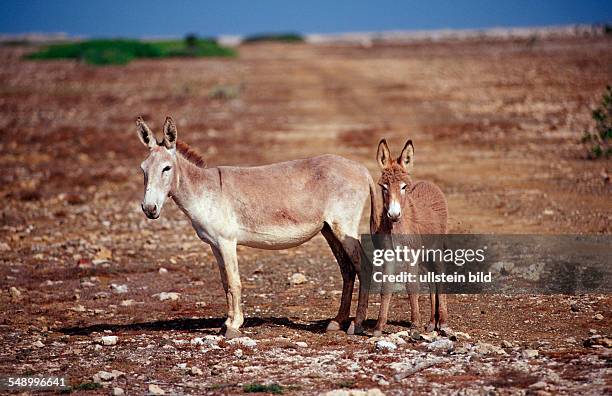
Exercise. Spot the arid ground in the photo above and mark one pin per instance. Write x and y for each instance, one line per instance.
(496, 123)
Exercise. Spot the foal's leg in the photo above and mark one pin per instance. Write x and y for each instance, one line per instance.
(433, 301)
(228, 264)
(443, 314)
(383, 312)
(415, 315)
(348, 278)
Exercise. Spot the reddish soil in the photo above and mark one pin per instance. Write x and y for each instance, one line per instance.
(495, 123)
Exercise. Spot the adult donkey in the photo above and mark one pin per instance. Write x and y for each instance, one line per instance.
(275, 206)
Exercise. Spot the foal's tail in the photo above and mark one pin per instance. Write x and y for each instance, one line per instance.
(374, 209)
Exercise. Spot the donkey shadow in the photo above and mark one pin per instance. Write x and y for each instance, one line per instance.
(210, 325)
(199, 325)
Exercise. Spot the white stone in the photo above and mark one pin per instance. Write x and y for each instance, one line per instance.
(243, 341)
(530, 353)
(163, 296)
(156, 390)
(119, 289)
(109, 340)
(297, 278)
(382, 345)
(118, 391)
(163, 271)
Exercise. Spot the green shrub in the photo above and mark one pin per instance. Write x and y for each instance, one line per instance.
(261, 388)
(121, 52)
(598, 141)
(282, 37)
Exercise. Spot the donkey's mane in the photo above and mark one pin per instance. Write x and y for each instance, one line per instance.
(190, 154)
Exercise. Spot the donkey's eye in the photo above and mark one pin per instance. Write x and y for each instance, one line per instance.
(404, 187)
(166, 169)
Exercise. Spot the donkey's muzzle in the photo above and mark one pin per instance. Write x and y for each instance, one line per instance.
(150, 210)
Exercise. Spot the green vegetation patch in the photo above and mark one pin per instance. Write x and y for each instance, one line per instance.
(261, 388)
(598, 142)
(121, 52)
(282, 37)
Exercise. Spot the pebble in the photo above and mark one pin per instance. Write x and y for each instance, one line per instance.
(297, 278)
(598, 316)
(109, 340)
(301, 344)
(4, 247)
(538, 385)
(196, 371)
(118, 392)
(443, 344)
(244, 341)
(354, 392)
(163, 271)
(127, 303)
(105, 376)
(506, 344)
(39, 344)
(15, 293)
(119, 289)
(483, 348)
(238, 353)
(156, 390)
(530, 353)
(163, 296)
(78, 308)
(383, 345)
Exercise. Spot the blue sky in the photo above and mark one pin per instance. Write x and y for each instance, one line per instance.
(137, 18)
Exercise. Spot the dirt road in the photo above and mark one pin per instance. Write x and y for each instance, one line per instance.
(494, 123)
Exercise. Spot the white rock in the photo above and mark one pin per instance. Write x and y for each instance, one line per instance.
(39, 344)
(598, 316)
(442, 344)
(15, 293)
(163, 296)
(109, 340)
(530, 353)
(244, 341)
(238, 353)
(119, 289)
(506, 344)
(4, 247)
(382, 345)
(156, 390)
(196, 371)
(538, 385)
(118, 392)
(482, 348)
(301, 344)
(105, 376)
(297, 278)
(127, 303)
(78, 308)
(163, 271)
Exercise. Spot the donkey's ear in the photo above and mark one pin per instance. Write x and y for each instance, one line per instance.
(383, 156)
(170, 134)
(406, 158)
(144, 133)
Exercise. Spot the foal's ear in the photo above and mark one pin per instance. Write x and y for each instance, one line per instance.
(144, 133)
(406, 158)
(383, 155)
(170, 134)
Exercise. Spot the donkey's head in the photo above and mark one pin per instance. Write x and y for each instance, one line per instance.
(395, 178)
(159, 168)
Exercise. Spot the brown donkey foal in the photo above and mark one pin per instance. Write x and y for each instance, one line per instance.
(410, 209)
(275, 206)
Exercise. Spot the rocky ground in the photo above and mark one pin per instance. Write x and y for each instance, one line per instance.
(93, 291)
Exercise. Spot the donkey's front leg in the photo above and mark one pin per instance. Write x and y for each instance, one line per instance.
(225, 253)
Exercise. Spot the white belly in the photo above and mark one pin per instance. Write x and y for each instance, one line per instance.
(276, 238)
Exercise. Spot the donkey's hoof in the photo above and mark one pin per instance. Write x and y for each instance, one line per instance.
(377, 333)
(446, 331)
(333, 326)
(354, 329)
(231, 332)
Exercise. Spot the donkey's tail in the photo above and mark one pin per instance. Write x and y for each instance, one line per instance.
(375, 212)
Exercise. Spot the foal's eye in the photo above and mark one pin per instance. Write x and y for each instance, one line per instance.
(167, 168)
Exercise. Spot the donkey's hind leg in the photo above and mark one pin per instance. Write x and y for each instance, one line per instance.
(348, 278)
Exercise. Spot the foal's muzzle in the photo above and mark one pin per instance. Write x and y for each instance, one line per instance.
(150, 210)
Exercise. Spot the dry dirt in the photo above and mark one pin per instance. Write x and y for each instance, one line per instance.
(494, 123)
